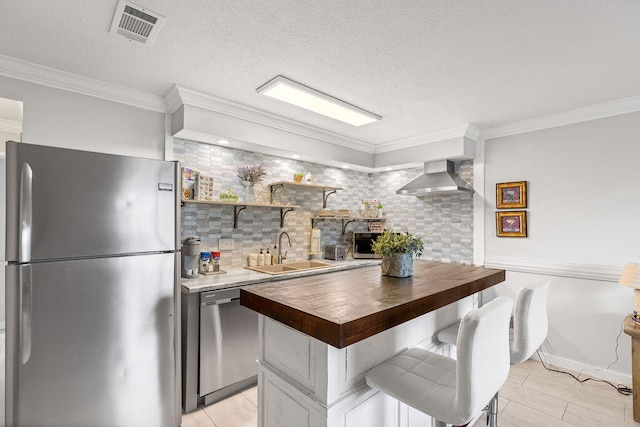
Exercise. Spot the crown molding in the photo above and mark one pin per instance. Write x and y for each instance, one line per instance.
(594, 112)
(468, 130)
(260, 117)
(46, 76)
(10, 126)
(605, 273)
(51, 77)
(172, 100)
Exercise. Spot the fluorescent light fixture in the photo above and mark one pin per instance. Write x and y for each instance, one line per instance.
(295, 156)
(305, 97)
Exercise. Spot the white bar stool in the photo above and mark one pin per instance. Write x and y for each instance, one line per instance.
(453, 391)
(530, 323)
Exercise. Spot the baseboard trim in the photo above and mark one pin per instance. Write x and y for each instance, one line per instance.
(605, 273)
(590, 370)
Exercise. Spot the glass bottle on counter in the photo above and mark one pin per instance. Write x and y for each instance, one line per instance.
(267, 257)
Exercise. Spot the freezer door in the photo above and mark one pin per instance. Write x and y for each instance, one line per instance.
(93, 343)
(67, 203)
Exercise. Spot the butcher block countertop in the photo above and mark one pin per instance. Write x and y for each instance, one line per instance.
(345, 307)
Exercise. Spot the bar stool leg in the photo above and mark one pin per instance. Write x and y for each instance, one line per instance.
(492, 412)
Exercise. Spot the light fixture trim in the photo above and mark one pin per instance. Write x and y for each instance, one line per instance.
(302, 96)
(224, 141)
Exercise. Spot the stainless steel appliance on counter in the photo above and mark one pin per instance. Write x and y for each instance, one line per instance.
(362, 245)
(335, 252)
(92, 289)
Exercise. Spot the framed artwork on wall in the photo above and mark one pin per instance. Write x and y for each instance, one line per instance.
(511, 195)
(511, 224)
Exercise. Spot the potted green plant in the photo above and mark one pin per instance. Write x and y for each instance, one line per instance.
(397, 251)
(297, 177)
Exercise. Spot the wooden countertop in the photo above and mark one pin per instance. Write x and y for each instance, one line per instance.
(345, 307)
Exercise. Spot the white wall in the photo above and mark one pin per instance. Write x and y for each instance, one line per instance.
(584, 225)
(71, 120)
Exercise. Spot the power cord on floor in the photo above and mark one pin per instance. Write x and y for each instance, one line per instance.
(622, 389)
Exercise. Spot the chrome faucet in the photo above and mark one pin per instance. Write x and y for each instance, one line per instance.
(280, 258)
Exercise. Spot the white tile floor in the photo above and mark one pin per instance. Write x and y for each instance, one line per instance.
(531, 397)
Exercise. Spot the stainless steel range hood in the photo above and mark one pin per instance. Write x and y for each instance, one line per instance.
(438, 177)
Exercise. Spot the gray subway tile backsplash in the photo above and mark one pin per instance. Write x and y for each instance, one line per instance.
(444, 222)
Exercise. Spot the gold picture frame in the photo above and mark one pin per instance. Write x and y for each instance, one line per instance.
(511, 195)
(511, 224)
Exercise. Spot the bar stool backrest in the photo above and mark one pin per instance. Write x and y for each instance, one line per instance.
(530, 323)
(482, 355)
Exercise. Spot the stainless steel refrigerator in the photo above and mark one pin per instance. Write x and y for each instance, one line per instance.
(92, 289)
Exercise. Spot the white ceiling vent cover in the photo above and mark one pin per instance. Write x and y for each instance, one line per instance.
(136, 23)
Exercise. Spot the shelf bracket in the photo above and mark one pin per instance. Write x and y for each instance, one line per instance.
(325, 196)
(315, 221)
(283, 213)
(272, 191)
(236, 213)
(344, 225)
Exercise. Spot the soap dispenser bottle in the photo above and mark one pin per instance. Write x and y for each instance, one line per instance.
(261, 258)
(267, 257)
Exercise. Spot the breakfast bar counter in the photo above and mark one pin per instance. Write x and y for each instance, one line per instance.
(320, 334)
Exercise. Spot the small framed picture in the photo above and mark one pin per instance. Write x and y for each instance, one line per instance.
(511, 195)
(511, 224)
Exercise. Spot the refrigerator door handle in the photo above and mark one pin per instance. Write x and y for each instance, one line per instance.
(25, 313)
(26, 206)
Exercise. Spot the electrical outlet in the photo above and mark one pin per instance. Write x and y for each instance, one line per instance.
(225, 244)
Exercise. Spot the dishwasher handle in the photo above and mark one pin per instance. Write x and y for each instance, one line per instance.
(219, 297)
(219, 301)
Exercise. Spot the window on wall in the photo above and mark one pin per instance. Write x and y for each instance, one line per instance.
(10, 122)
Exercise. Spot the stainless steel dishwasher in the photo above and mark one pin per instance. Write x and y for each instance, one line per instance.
(228, 345)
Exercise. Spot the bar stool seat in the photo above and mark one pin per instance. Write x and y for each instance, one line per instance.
(530, 323)
(453, 391)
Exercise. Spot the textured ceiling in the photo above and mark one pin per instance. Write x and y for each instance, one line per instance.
(425, 66)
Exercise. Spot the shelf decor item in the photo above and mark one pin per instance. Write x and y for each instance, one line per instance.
(249, 176)
(511, 224)
(397, 251)
(297, 177)
(228, 196)
(511, 195)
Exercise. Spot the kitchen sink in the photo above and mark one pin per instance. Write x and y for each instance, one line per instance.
(289, 267)
(303, 265)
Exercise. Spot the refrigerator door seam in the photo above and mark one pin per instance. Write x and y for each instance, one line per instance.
(77, 258)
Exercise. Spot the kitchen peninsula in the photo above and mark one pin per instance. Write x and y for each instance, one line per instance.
(319, 335)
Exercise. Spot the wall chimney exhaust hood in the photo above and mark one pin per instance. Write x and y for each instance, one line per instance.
(438, 177)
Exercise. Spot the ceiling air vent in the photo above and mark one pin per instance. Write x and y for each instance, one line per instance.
(136, 23)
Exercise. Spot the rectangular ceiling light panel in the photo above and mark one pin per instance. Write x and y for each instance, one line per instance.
(136, 23)
(305, 97)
